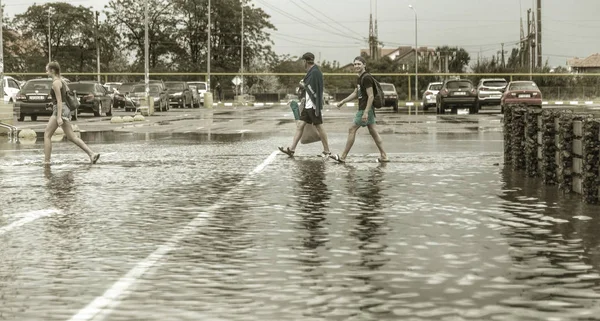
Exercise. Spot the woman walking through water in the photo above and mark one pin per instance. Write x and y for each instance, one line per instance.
(59, 107)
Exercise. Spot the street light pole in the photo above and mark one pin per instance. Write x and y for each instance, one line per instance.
(242, 60)
(49, 38)
(1, 45)
(146, 60)
(208, 53)
(416, 57)
(97, 47)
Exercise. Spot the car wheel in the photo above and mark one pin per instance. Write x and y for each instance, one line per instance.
(21, 117)
(395, 107)
(109, 112)
(441, 108)
(74, 115)
(33, 117)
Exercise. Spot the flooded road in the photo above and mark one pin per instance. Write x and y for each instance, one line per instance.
(191, 228)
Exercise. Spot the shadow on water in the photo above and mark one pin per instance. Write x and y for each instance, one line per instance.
(553, 242)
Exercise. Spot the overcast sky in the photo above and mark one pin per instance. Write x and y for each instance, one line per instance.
(337, 29)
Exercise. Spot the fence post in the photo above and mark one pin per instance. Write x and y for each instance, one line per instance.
(590, 161)
(508, 138)
(518, 138)
(531, 141)
(577, 155)
(409, 95)
(565, 152)
(549, 154)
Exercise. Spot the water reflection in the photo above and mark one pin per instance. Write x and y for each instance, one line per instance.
(313, 196)
(370, 219)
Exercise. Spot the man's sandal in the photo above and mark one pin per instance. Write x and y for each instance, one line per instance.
(287, 151)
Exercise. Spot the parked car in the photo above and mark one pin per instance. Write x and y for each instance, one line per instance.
(121, 98)
(429, 95)
(456, 93)
(489, 92)
(201, 89)
(93, 98)
(34, 99)
(139, 91)
(390, 96)
(524, 92)
(11, 87)
(180, 94)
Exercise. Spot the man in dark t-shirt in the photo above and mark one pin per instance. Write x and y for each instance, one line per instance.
(365, 116)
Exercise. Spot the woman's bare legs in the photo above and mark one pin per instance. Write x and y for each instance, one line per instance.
(50, 129)
(68, 129)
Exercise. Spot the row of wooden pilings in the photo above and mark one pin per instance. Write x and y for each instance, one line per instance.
(559, 146)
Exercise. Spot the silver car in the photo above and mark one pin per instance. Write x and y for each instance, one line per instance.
(429, 96)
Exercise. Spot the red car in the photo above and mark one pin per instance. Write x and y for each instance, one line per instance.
(521, 93)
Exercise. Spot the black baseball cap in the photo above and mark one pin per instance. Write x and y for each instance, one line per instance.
(308, 56)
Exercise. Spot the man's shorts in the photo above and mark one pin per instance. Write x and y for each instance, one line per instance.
(308, 116)
(370, 119)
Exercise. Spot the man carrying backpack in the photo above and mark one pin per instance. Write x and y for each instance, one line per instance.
(366, 85)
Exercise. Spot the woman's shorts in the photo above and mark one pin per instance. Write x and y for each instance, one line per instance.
(66, 112)
(370, 119)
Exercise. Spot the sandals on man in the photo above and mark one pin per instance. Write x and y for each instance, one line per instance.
(337, 158)
(94, 158)
(287, 151)
(383, 160)
(325, 154)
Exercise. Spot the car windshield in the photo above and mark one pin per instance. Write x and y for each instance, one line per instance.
(494, 83)
(125, 88)
(524, 86)
(142, 89)
(82, 87)
(458, 85)
(199, 85)
(37, 85)
(387, 87)
(175, 86)
(435, 87)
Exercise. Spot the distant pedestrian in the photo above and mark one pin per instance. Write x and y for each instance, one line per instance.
(219, 91)
(59, 107)
(366, 113)
(312, 113)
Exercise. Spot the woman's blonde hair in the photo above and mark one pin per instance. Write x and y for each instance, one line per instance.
(54, 66)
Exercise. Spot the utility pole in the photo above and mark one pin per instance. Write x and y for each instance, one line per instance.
(529, 44)
(146, 54)
(97, 46)
(208, 53)
(533, 40)
(1, 45)
(539, 33)
(242, 59)
(503, 64)
(416, 56)
(49, 38)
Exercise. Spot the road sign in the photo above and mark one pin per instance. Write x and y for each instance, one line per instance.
(236, 80)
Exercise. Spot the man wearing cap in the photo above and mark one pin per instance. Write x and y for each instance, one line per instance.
(312, 112)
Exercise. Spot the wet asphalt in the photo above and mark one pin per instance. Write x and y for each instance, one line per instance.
(188, 227)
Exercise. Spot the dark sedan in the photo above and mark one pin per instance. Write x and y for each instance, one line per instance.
(179, 94)
(34, 100)
(93, 98)
(456, 93)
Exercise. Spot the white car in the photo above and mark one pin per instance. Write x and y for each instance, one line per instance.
(11, 88)
(202, 88)
(489, 92)
(429, 96)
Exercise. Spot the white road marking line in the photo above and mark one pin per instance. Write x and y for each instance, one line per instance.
(104, 304)
(27, 218)
(589, 102)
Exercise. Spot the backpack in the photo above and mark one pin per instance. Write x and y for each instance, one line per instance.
(70, 98)
(378, 97)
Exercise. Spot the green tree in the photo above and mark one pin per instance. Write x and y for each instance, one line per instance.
(289, 64)
(458, 58)
(128, 16)
(71, 35)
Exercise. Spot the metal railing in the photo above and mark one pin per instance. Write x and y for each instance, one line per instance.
(12, 131)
